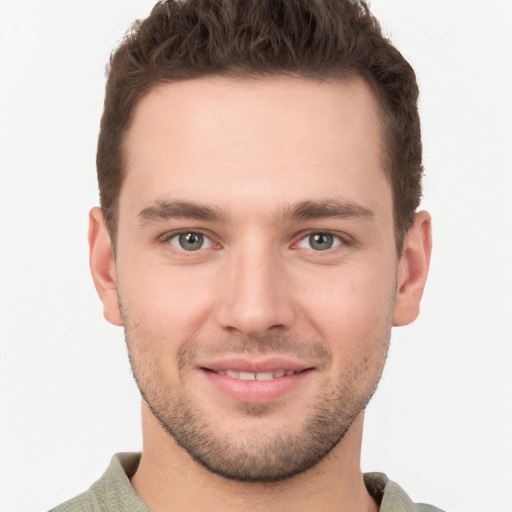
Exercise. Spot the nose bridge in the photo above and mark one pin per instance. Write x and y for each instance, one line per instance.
(255, 297)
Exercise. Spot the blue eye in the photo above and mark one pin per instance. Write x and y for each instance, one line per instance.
(320, 241)
(190, 241)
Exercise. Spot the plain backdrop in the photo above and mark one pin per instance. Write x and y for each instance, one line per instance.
(441, 420)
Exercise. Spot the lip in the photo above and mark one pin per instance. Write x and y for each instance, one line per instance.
(254, 365)
(255, 391)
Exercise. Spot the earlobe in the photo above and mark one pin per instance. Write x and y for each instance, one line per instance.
(413, 270)
(102, 263)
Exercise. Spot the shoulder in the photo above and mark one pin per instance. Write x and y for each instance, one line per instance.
(391, 497)
(112, 492)
(88, 501)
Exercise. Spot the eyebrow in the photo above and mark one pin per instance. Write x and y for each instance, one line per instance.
(305, 210)
(328, 209)
(162, 210)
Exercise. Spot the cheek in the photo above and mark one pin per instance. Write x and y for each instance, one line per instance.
(355, 322)
(166, 307)
(350, 304)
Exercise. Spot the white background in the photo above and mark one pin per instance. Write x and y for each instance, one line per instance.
(441, 422)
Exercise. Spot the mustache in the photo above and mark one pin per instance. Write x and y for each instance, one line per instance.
(306, 350)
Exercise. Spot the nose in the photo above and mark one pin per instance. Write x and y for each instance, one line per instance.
(256, 296)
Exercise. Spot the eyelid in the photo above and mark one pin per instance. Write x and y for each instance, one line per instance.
(169, 235)
(343, 238)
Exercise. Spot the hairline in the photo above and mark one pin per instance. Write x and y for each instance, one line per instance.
(347, 75)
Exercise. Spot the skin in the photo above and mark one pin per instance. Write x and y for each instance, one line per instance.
(252, 152)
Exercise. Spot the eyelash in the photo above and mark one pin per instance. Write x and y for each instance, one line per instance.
(166, 239)
(340, 238)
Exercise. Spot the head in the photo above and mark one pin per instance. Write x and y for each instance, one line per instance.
(259, 170)
(321, 40)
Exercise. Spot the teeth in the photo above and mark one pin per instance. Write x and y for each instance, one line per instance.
(246, 376)
(264, 376)
(256, 376)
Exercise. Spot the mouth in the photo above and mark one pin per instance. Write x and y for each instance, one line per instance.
(256, 381)
(260, 376)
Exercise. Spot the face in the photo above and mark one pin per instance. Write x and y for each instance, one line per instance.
(256, 273)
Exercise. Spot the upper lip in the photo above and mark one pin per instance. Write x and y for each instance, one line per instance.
(238, 364)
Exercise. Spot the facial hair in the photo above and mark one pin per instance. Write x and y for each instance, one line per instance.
(256, 456)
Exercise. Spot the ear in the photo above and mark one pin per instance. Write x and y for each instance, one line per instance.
(102, 263)
(413, 270)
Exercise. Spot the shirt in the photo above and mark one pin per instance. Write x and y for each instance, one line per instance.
(114, 493)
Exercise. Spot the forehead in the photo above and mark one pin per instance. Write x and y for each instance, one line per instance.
(268, 141)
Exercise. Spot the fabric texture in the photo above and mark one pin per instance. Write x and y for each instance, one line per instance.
(114, 493)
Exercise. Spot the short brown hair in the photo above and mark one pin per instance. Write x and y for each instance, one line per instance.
(317, 39)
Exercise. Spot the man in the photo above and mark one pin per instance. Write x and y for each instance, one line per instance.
(260, 169)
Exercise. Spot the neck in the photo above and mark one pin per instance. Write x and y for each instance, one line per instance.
(169, 479)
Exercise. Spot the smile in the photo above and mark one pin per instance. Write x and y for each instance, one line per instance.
(255, 382)
(256, 376)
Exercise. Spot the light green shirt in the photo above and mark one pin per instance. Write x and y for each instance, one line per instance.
(114, 493)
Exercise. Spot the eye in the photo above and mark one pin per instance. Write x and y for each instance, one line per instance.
(320, 241)
(190, 241)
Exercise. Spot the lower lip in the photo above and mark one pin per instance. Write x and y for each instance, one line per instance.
(256, 391)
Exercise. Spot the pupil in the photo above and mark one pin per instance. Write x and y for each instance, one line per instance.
(321, 241)
(191, 241)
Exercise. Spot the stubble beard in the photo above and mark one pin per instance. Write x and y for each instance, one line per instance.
(257, 457)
